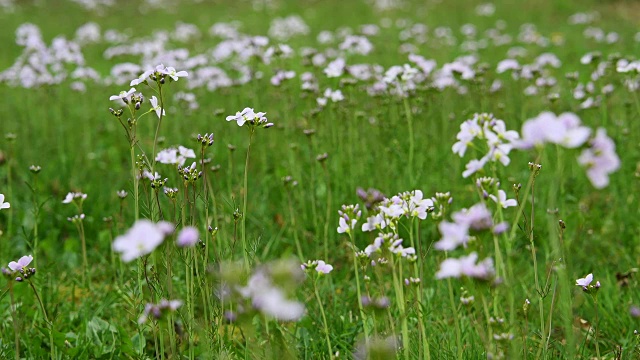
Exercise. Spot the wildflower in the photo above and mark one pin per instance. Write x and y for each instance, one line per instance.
(123, 95)
(453, 235)
(156, 311)
(270, 300)
(318, 265)
(73, 196)
(585, 282)
(345, 227)
(188, 237)
(122, 194)
(173, 74)
(466, 266)
(156, 107)
(141, 239)
(247, 115)
(564, 130)
(600, 159)
(22, 263)
(502, 200)
(3, 204)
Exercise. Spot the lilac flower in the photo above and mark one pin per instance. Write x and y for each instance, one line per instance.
(156, 107)
(22, 263)
(466, 266)
(157, 310)
(141, 239)
(564, 130)
(3, 204)
(502, 200)
(345, 227)
(473, 166)
(188, 237)
(323, 268)
(585, 281)
(247, 115)
(477, 217)
(600, 159)
(453, 235)
(270, 300)
(375, 222)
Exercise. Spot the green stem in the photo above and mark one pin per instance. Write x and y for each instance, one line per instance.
(46, 319)
(595, 301)
(356, 266)
(407, 110)
(244, 205)
(324, 320)
(454, 308)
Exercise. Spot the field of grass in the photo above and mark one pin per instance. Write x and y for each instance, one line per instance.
(257, 250)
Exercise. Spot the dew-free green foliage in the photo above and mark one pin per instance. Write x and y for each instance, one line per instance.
(94, 309)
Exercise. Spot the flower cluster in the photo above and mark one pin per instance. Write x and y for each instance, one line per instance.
(251, 118)
(318, 266)
(19, 269)
(492, 133)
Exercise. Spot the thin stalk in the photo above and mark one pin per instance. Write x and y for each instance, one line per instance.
(244, 205)
(16, 327)
(452, 302)
(46, 319)
(595, 303)
(134, 175)
(407, 110)
(363, 315)
(324, 319)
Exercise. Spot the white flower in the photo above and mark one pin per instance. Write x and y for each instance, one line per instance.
(124, 95)
(175, 75)
(3, 205)
(156, 107)
(585, 281)
(344, 227)
(502, 200)
(141, 239)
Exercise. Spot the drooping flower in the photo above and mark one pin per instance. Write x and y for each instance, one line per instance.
(141, 239)
(156, 107)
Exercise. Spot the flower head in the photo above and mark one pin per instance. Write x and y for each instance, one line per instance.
(141, 239)
(22, 263)
(188, 237)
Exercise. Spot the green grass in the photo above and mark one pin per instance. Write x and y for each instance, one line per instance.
(81, 147)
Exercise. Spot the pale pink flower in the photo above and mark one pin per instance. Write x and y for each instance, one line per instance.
(22, 263)
(600, 159)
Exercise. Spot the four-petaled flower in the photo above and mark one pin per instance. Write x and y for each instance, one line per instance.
(22, 263)
(124, 95)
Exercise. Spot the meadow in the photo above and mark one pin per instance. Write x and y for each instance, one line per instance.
(306, 179)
